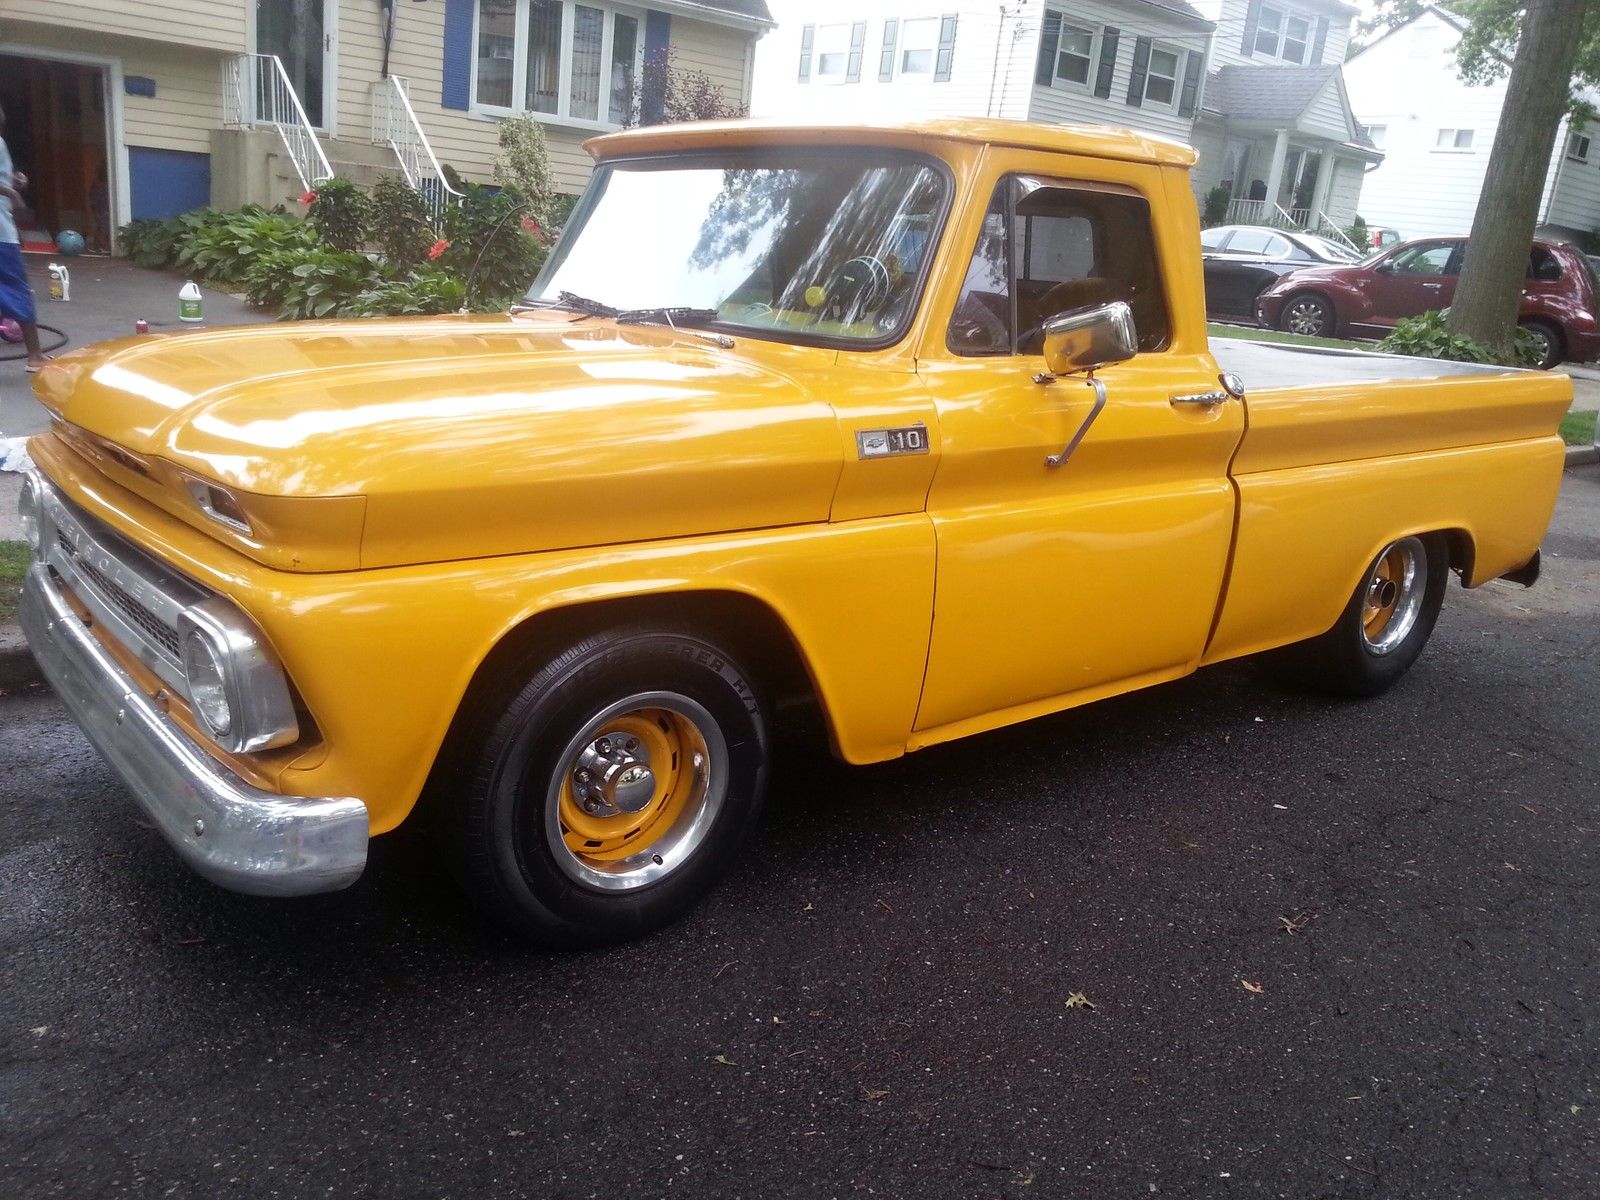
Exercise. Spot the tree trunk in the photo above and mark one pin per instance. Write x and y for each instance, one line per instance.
(1496, 261)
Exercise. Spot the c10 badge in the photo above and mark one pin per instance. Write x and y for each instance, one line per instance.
(890, 443)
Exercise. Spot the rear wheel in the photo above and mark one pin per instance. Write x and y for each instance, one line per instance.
(1384, 626)
(1552, 347)
(1307, 314)
(614, 789)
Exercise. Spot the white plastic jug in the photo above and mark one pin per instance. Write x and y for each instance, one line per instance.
(60, 282)
(190, 302)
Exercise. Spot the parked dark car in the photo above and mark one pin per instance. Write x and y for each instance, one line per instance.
(1366, 299)
(1241, 261)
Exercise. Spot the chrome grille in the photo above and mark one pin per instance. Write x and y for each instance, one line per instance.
(132, 596)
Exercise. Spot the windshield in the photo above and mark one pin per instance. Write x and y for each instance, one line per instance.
(796, 244)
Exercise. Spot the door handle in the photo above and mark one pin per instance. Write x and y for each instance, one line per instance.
(1202, 399)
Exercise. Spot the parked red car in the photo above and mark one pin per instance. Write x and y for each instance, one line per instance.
(1559, 297)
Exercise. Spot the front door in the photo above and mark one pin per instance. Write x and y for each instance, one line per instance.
(300, 33)
(1418, 279)
(1058, 582)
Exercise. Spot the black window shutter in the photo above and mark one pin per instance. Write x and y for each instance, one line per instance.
(1191, 83)
(1049, 43)
(891, 32)
(1109, 36)
(1252, 18)
(1141, 68)
(1318, 40)
(858, 43)
(657, 43)
(806, 36)
(947, 49)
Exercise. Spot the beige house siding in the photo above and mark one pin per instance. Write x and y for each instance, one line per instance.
(217, 25)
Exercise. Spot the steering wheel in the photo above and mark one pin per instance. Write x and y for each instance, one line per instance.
(858, 285)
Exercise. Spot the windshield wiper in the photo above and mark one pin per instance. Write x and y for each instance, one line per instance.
(585, 305)
(672, 316)
(683, 316)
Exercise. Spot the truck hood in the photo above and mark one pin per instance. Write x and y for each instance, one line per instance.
(458, 436)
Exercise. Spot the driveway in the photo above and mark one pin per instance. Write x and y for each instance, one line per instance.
(1213, 939)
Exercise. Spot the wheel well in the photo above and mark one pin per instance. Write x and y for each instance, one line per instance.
(1462, 552)
(1333, 308)
(742, 625)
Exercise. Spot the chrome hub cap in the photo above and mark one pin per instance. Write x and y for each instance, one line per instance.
(1392, 598)
(637, 790)
(1305, 317)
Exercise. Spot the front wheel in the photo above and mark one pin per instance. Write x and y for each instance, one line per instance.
(614, 789)
(1307, 314)
(1383, 628)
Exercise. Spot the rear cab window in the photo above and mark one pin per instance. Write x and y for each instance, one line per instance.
(1048, 247)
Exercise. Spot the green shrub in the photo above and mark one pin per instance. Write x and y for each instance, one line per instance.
(1215, 211)
(340, 213)
(223, 250)
(486, 246)
(401, 228)
(324, 283)
(1360, 235)
(1427, 336)
(523, 165)
(151, 243)
(425, 292)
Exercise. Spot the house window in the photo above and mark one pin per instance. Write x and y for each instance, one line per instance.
(1376, 134)
(1161, 83)
(1453, 139)
(1074, 54)
(1578, 147)
(572, 60)
(1281, 34)
(833, 53)
(919, 46)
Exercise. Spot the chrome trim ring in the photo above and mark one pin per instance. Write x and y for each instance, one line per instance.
(1392, 597)
(701, 769)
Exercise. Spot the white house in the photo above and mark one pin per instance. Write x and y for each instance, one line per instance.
(1255, 86)
(1437, 132)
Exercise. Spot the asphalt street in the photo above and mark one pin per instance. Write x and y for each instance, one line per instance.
(1321, 949)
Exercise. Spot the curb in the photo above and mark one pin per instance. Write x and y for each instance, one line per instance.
(17, 668)
(1578, 456)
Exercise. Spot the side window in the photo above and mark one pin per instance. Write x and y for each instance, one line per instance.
(1250, 241)
(1212, 239)
(1424, 260)
(1543, 266)
(1050, 247)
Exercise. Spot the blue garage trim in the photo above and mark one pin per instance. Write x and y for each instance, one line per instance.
(164, 183)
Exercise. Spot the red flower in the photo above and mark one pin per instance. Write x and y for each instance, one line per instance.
(532, 226)
(438, 248)
(308, 197)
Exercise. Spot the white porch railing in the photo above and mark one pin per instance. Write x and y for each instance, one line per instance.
(1325, 226)
(256, 91)
(1261, 212)
(395, 124)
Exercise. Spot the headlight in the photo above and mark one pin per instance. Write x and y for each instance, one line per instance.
(208, 687)
(238, 692)
(28, 510)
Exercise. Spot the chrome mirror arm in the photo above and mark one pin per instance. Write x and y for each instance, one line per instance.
(1060, 460)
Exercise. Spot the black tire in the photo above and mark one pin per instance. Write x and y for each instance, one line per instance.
(525, 832)
(1555, 346)
(1372, 644)
(1308, 314)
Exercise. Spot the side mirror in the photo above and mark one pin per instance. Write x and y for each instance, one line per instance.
(1384, 268)
(1083, 339)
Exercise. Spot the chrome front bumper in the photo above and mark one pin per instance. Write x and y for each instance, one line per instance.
(235, 834)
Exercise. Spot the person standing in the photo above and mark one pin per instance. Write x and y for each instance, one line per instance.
(16, 297)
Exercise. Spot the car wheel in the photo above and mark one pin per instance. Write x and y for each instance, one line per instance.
(613, 790)
(1307, 314)
(1552, 348)
(1383, 627)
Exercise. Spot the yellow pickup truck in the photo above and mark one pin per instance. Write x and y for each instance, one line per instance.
(917, 423)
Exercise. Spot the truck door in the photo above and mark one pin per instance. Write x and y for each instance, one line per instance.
(1055, 583)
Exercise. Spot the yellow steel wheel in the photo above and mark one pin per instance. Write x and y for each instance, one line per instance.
(638, 789)
(1392, 598)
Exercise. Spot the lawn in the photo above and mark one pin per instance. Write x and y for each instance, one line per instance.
(14, 559)
(1251, 334)
(1577, 429)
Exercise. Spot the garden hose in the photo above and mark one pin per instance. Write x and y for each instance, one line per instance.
(51, 349)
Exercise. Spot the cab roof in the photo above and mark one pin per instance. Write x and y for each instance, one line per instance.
(1095, 141)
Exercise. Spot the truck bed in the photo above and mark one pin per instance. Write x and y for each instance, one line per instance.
(1271, 366)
